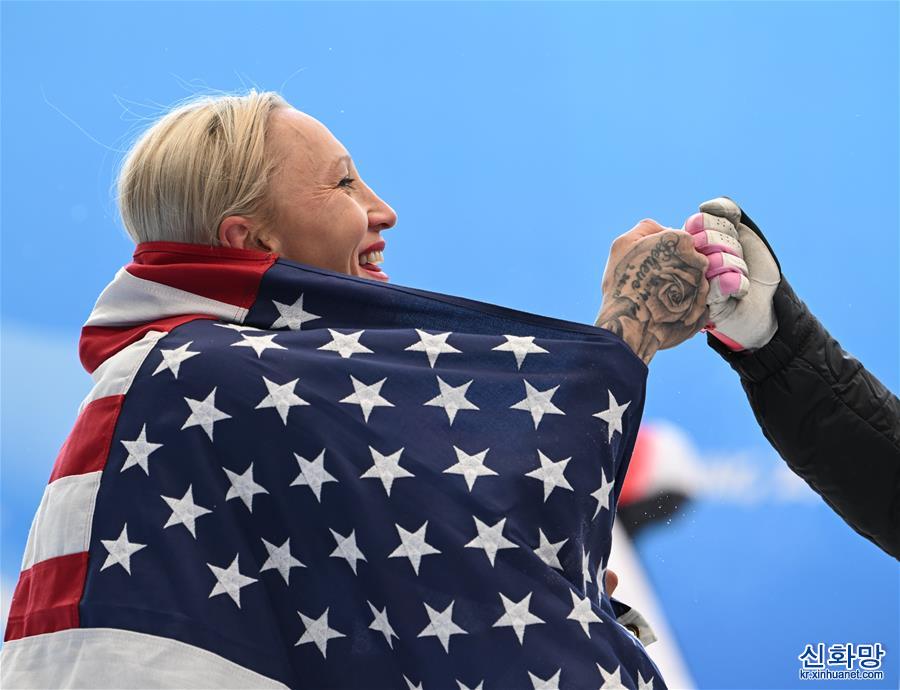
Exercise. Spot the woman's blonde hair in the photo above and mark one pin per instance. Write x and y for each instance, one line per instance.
(204, 160)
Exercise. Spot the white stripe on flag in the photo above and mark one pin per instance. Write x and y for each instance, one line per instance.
(62, 524)
(115, 375)
(111, 658)
(129, 300)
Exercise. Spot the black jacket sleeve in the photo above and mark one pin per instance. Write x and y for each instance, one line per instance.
(832, 421)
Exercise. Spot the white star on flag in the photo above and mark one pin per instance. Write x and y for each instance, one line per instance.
(230, 581)
(538, 403)
(413, 546)
(317, 631)
(381, 624)
(441, 626)
(517, 616)
(313, 474)
(463, 686)
(582, 612)
(237, 327)
(490, 539)
(551, 474)
(432, 345)
(345, 345)
(292, 315)
(601, 583)
(367, 396)
(585, 570)
(243, 486)
(602, 494)
(259, 343)
(281, 397)
(470, 466)
(613, 415)
(644, 684)
(172, 359)
(204, 413)
(549, 553)
(551, 683)
(347, 549)
(611, 681)
(139, 450)
(120, 550)
(184, 511)
(386, 468)
(280, 559)
(412, 686)
(521, 347)
(452, 399)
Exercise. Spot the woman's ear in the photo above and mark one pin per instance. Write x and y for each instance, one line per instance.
(234, 232)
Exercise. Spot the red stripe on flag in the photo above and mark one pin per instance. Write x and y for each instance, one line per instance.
(220, 273)
(46, 597)
(99, 343)
(87, 446)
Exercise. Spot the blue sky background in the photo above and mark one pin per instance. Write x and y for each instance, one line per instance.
(515, 141)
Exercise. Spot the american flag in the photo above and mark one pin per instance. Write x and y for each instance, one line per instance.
(288, 477)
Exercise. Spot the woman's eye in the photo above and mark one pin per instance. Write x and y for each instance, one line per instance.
(347, 182)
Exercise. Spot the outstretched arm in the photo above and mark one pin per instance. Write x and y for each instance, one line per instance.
(830, 419)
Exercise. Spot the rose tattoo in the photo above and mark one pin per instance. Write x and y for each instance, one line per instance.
(658, 293)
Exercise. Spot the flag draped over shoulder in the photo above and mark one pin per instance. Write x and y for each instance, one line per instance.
(285, 476)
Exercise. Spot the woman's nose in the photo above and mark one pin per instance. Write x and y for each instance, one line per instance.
(382, 216)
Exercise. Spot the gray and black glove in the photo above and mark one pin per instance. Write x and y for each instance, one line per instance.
(743, 274)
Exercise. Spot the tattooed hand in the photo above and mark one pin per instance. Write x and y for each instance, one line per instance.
(654, 289)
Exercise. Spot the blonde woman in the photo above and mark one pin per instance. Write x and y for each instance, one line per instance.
(291, 473)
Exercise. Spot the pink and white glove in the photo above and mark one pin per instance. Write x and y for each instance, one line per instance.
(743, 275)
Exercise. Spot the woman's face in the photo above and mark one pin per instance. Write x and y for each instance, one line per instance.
(326, 216)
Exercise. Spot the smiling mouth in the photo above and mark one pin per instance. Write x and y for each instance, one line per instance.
(369, 263)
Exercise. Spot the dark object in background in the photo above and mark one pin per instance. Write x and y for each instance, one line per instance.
(634, 516)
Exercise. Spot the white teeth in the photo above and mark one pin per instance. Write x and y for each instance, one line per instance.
(371, 258)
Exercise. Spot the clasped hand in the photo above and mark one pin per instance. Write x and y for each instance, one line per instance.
(654, 288)
(662, 285)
